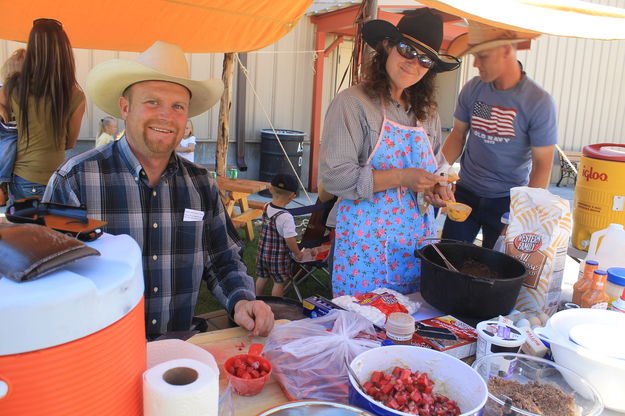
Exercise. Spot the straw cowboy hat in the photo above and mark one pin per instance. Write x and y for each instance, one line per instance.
(420, 28)
(162, 61)
(481, 37)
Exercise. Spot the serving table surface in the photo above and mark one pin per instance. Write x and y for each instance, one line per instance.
(225, 343)
(232, 341)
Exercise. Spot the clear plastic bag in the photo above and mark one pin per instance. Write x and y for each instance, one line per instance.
(308, 356)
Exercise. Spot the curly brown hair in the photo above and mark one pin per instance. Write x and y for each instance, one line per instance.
(420, 96)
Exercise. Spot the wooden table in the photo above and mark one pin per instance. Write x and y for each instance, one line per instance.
(234, 192)
(224, 344)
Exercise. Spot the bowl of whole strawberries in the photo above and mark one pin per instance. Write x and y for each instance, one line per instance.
(249, 372)
(404, 380)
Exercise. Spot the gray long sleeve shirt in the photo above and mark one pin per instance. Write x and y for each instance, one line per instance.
(351, 130)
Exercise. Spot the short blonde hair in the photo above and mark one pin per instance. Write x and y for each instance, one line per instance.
(13, 64)
(191, 123)
(105, 122)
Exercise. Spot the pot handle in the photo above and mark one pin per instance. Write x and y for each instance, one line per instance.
(548, 337)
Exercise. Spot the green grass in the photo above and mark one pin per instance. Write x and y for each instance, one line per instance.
(207, 303)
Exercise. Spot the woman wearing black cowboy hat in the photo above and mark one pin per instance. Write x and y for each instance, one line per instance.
(376, 155)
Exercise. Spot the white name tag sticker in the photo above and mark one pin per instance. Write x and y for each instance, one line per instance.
(192, 215)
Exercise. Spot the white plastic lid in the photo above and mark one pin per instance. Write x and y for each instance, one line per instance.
(400, 323)
(500, 334)
(69, 304)
(600, 338)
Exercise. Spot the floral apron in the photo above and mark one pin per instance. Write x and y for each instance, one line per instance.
(375, 239)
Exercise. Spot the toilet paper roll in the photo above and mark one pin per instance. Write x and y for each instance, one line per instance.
(182, 387)
(173, 349)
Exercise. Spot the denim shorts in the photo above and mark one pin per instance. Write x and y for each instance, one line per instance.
(8, 149)
(21, 188)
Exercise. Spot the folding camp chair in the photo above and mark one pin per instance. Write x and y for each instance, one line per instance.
(315, 235)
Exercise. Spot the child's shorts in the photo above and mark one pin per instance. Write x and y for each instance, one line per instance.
(278, 276)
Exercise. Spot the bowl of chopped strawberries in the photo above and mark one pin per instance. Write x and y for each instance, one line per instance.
(249, 372)
(404, 380)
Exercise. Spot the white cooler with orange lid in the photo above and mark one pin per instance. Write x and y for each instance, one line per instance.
(599, 191)
(73, 342)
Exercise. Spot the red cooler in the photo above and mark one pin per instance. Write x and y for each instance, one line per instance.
(73, 342)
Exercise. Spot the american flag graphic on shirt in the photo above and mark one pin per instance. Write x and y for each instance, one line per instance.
(493, 119)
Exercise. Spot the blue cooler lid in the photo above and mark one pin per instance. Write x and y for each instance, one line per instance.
(616, 275)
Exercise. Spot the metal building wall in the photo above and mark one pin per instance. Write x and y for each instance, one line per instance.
(281, 73)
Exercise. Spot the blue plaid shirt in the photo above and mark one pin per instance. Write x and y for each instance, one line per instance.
(177, 254)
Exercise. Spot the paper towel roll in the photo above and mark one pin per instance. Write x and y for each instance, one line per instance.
(182, 387)
(173, 349)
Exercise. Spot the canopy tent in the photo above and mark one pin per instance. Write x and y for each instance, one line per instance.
(197, 26)
(570, 18)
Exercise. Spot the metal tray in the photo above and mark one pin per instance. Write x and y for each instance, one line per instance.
(314, 408)
(284, 308)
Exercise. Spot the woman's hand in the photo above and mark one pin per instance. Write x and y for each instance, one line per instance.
(418, 180)
(438, 195)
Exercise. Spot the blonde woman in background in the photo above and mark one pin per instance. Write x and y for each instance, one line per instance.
(106, 133)
(8, 130)
(186, 148)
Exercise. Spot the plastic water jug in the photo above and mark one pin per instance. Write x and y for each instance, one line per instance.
(607, 247)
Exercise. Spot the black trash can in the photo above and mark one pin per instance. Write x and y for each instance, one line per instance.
(272, 158)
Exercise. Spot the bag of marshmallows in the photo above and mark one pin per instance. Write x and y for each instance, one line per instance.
(538, 235)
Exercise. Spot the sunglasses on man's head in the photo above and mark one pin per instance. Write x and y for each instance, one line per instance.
(410, 52)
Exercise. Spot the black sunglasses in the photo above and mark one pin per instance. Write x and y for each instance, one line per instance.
(410, 52)
(45, 20)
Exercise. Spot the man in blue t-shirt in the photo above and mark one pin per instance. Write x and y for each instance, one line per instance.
(505, 130)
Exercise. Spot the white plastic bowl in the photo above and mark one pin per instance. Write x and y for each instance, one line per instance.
(606, 374)
(452, 377)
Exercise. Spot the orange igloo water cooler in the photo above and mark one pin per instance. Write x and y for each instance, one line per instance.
(599, 192)
(73, 342)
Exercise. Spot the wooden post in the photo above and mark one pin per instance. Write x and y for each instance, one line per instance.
(223, 128)
(368, 10)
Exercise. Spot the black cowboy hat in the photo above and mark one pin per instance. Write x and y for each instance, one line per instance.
(420, 28)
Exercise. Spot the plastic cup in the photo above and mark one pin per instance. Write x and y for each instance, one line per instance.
(457, 211)
(251, 386)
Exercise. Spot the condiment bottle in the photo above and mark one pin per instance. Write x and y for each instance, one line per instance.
(616, 282)
(596, 297)
(583, 284)
(619, 304)
(400, 328)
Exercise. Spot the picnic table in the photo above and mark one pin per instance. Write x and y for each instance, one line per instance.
(234, 192)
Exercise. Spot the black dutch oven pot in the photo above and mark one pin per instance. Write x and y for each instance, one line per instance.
(464, 295)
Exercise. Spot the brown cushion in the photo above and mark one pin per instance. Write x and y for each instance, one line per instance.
(29, 251)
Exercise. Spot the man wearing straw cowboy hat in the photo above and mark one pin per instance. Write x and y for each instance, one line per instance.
(505, 130)
(169, 205)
